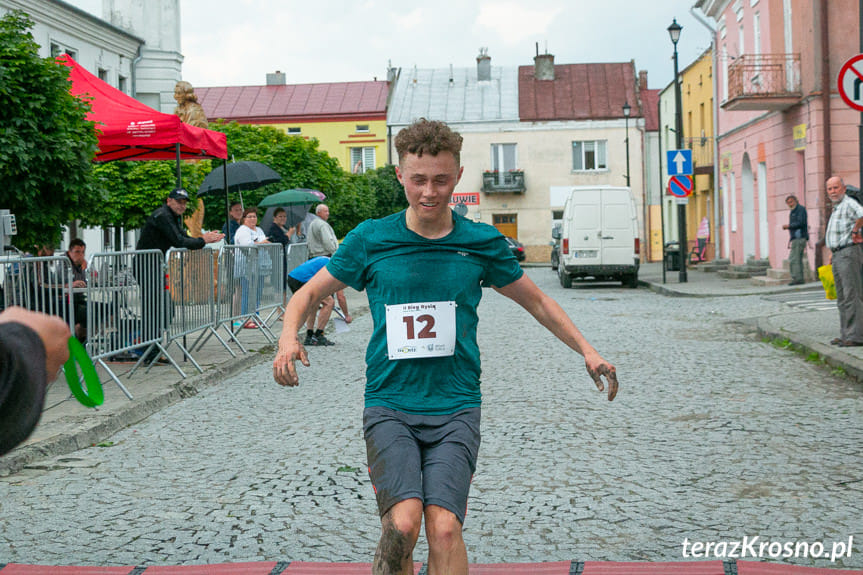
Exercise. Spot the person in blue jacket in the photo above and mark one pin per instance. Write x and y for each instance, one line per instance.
(297, 278)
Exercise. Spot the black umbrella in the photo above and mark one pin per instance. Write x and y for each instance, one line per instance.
(247, 175)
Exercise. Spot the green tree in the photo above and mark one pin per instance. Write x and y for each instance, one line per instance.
(389, 192)
(46, 144)
(135, 189)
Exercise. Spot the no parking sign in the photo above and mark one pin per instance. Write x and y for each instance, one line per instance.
(680, 186)
(851, 82)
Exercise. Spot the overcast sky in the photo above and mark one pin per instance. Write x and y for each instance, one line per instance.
(237, 42)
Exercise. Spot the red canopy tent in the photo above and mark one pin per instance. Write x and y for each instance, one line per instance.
(130, 130)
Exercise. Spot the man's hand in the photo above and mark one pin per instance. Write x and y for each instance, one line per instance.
(284, 370)
(211, 237)
(79, 284)
(52, 330)
(348, 318)
(598, 367)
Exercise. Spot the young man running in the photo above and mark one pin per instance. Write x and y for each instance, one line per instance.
(423, 270)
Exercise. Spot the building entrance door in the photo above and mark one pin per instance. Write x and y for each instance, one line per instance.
(507, 224)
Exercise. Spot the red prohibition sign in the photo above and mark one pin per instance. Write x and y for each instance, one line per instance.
(851, 83)
(680, 186)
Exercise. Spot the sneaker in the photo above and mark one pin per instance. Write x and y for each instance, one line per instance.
(321, 340)
(310, 340)
(238, 324)
(250, 325)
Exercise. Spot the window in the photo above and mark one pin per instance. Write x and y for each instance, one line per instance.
(122, 84)
(294, 130)
(756, 32)
(57, 50)
(504, 157)
(589, 155)
(103, 74)
(362, 159)
(362, 128)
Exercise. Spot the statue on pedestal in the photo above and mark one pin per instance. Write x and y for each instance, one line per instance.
(192, 113)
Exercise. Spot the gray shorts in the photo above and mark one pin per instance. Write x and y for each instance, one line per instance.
(428, 457)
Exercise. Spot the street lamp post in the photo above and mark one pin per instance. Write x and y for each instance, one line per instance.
(674, 33)
(627, 109)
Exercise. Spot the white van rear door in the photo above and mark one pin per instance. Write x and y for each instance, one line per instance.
(585, 237)
(617, 239)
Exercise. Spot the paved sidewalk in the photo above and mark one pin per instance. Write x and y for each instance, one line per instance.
(66, 426)
(808, 330)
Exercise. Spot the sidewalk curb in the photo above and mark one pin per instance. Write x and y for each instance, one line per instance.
(92, 432)
(664, 289)
(832, 356)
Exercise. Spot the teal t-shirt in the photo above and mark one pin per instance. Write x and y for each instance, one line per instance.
(396, 266)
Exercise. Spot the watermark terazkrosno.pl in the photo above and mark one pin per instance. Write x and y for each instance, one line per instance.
(756, 548)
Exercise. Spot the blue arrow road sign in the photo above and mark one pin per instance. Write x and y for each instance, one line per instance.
(680, 186)
(679, 162)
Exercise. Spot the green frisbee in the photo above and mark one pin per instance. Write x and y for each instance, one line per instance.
(93, 395)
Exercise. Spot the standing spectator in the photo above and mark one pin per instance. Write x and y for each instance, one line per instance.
(321, 237)
(277, 232)
(798, 229)
(843, 239)
(77, 254)
(249, 234)
(233, 224)
(162, 231)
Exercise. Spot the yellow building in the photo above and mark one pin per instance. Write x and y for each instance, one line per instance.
(349, 119)
(696, 87)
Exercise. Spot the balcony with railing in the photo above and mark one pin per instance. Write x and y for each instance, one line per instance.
(511, 181)
(702, 153)
(763, 82)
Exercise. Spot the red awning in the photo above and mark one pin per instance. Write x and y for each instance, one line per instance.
(130, 130)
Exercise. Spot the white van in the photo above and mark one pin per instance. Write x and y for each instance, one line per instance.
(599, 236)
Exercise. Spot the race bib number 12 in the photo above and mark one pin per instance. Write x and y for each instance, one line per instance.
(421, 329)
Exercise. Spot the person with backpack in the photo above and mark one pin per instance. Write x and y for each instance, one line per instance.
(798, 228)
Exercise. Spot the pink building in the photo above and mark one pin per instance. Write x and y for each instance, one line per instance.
(780, 131)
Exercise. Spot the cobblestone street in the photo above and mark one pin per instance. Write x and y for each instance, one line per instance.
(714, 436)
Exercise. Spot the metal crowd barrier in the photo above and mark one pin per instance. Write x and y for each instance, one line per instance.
(138, 303)
(237, 282)
(41, 284)
(296, 255)
(271, 286)
(192, 298)
(126, 308)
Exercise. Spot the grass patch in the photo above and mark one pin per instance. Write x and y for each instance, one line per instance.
(808, 355)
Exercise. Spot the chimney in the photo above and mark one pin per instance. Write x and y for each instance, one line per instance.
(543, 65)
(642, 79)
(276, 79)
(483, 66)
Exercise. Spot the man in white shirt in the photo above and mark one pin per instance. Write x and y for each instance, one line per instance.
(320, 235)
(843, 239)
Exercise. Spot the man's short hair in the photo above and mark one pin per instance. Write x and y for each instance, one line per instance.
(319, 208)
(428, 137)
(279, 211)
(77, 242)
(791, 197)
(235, 203)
